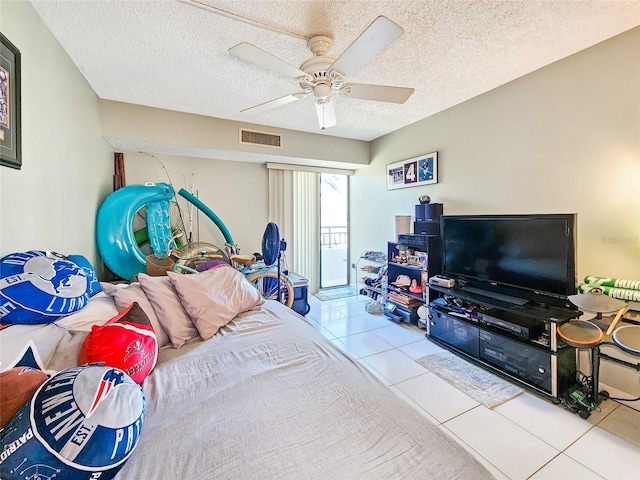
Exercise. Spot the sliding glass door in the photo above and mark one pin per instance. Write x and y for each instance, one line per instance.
(334, 230)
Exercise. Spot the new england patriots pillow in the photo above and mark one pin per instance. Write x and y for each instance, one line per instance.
(39, 287)
(83, 423)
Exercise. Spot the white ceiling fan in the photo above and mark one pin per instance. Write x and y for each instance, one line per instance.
(323, 76)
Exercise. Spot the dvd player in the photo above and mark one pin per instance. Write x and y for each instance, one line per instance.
(530, 329)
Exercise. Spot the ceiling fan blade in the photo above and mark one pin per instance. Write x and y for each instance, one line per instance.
(379, 93)
(380, 34)
(276, 102)
(326, 114)
(253, 54)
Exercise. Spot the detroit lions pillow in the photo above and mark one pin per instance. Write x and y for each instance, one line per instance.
(89, 271)
(81, 424)
(39, 287)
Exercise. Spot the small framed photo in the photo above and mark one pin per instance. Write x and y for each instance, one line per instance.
(10, 128)
(422, 259)
(413, 172)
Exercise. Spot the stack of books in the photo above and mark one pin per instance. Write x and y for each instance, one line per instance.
(404, 300)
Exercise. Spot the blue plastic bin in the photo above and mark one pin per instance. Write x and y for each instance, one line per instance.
(300, 293)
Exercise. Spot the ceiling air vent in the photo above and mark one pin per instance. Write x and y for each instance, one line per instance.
(264, 139)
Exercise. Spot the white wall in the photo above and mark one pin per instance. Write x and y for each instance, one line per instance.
(51, 203)
(563, 139)
(236, 192)
(132, 127)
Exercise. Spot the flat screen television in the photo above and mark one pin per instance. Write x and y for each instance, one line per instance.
(516, 258)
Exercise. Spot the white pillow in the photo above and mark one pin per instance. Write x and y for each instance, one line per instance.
(52, 348)
(168, 308)
(214, 297)
(97, 311)
(125, 294)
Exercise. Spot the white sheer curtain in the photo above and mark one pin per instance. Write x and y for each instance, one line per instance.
(294, 207)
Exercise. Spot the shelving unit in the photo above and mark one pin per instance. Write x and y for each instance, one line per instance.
(414, 259)
(373, 279)
(519, 342)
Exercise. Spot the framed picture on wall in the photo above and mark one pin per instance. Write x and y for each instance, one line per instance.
(10, 118)
(413, 172)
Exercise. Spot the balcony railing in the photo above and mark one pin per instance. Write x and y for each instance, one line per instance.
(334, 237)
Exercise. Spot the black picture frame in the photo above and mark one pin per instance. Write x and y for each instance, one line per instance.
(10, 111)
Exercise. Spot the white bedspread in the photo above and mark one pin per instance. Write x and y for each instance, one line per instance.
(269, 397)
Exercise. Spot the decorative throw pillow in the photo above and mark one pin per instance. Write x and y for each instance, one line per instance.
(28, 357)
(82, 423)
(99, 309)
(17, 385)
(38, 287)
(125, 295)
(168, 308)
(17, 378)
(209, 264)
(46, 347)
(126, 342)
(89, 271)
(214, 297)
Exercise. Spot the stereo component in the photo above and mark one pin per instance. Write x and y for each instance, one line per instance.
(428, 227)
(524, 328)
(441, 281)
(415, 240)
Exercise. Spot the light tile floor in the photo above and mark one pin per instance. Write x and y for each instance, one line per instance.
(527, 437)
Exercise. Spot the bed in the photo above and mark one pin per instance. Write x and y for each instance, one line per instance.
(265, 396)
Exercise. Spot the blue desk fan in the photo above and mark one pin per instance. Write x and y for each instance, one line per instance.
(272, 248)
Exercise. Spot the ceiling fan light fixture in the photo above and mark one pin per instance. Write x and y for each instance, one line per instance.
(322, 90)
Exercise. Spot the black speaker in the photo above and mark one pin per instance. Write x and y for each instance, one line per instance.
(428, 211)
(429, 227)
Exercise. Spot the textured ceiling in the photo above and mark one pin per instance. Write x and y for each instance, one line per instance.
(174, 55)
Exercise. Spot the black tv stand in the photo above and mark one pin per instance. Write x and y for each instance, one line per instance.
(495, 295)
(517, 341)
